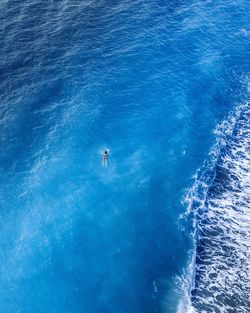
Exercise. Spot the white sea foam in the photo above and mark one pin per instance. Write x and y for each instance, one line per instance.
(217, 278)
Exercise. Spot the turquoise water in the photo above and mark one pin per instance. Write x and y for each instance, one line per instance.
(148, 80)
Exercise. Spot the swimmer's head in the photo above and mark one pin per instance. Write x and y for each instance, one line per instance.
(106, 152)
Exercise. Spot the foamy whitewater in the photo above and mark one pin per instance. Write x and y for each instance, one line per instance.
(219, 203)
(164, 87)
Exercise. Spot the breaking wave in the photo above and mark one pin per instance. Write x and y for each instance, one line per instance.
(217, 278)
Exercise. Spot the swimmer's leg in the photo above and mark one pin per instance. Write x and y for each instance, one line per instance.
(104, 163)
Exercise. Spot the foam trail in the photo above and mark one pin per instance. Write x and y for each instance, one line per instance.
(219, 201)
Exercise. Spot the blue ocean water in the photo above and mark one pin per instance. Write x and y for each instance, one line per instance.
(150, 81)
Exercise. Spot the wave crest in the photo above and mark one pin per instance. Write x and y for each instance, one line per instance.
(219, 206)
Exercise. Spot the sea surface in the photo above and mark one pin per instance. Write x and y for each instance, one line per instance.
(164, 86)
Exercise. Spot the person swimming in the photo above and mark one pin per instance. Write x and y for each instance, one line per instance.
(105, 156)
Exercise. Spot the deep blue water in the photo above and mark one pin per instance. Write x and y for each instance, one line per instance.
(149, 80)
